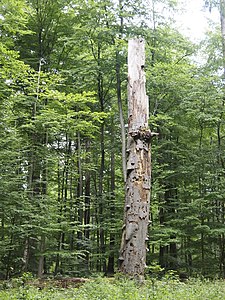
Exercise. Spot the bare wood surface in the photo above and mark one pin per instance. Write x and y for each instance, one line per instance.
(136, 212)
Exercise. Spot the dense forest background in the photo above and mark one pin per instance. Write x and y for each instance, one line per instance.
(63, 106)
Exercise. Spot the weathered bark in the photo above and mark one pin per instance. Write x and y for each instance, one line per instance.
(136, 214)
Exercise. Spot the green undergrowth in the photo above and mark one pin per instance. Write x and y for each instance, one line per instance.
(120, 289)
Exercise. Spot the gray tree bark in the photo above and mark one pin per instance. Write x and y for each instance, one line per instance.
(136, 213)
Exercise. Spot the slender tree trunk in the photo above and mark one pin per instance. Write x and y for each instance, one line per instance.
(120, 106)
(101, 217)
(219, 128)
(41, 258)
(102, 266)
(119, 95)
(111, 260)
(3, 225)
(79, 192)
(26, 255)
(62, 200)
(44, 193)
(162, 248)
(87, 212)
(188, 256)
(9, 255)
(72, 216)
(87, 206)
(57, 259)
(222, 255)
(222, 22)
(136, 214)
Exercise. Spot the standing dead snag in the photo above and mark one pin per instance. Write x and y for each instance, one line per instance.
(136, 213)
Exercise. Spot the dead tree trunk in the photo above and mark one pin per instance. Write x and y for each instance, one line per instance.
(136, 214)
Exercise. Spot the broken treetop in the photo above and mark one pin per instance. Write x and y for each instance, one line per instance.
(138, 107)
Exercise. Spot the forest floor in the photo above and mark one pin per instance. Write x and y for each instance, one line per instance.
(116, 289)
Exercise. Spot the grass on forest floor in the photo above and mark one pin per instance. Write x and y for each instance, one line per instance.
(122, 289)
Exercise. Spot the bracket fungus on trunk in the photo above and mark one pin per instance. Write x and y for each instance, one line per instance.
(137, 203)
